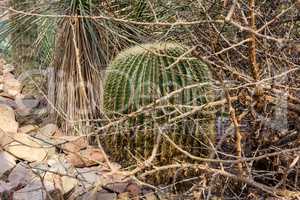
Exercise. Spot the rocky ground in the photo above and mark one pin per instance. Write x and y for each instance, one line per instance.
(38, 162)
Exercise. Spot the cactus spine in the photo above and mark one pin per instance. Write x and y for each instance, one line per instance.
(139, 76)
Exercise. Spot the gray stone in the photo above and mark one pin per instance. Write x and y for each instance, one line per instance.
(116, 187)
(9, 102)
(7, 162)
(34, 191)
(90, 175)
(101, 195)
(20, 175)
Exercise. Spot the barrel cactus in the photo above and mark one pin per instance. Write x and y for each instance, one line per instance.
(139, 77)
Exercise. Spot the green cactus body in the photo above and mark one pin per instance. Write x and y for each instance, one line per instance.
(139, 76)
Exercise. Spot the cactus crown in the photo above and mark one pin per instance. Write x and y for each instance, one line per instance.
(140, 75)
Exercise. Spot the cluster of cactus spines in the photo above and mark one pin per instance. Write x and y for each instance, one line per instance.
(139, 76)
(144, 73)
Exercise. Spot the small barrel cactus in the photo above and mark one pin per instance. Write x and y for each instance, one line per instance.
(137, 78)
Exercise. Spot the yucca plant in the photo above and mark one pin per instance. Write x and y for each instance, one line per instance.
(23, 37)
(136, 79)
(157, 11)
(77, 47)
(87, 45)
(147, 11)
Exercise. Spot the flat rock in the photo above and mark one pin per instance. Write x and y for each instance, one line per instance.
(150, 196)
(11, 87)
(7, 118)
(64, 181)
(20, 175)
(101, 195)
(48, 130)
(6, 190)
(8, 101)
(28, 148)
(28, 185)
(65, 184)
(35, 190)
(5, 138)
(106, 196)
(7, 68)
(7, 162)
(134, 190)
(27, 129)
(117, 187)
(68, 183)
(25, 104)
(45, 135)
(124, 196)
(59, 164)
(90, 175)
(86, 158)
(74, 144)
